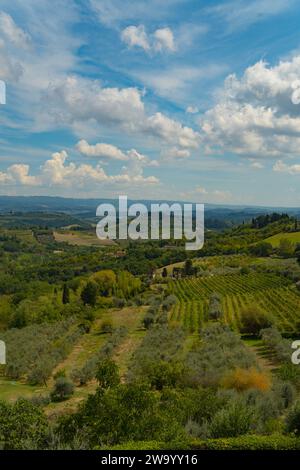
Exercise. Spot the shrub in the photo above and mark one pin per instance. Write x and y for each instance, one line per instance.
(23, 426)
(108, 374)
(244, 379)
(293, 420)
(63, 389)
(289, 372)
(249, 442)
(215, 309)
(106, 327)
(59, 373)
(253, 319)
(169, 302)
(232, 421)
(119, 303)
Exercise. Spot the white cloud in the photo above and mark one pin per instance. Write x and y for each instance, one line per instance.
(178, 83)
(215, 195)
(164, 40)
(136, 36)
(100, 150)
(74, 102)
(10, 31)
(243, 13)
(257, 165)
(76, 99)
(204, 195)
(136, 161)
(171, 131)
(56, 172)
(160, 40)
(281, 167)
(19, 174)
(192, 110)
(176, 153)
(255, 115)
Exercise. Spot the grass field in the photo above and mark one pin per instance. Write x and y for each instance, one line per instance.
(81, 238)
(293, 237)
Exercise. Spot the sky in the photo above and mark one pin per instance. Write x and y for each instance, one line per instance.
(181, 100)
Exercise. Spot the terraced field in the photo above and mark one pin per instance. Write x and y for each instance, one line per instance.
(274, 294)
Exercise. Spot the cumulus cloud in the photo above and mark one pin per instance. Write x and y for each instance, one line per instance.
(100, 150)
(171, 131)
(256, 115)
(57, 172)
(136, 36)
(19, 174)
(160, 40)
(75, 101)
(164, 39)
(136, 161)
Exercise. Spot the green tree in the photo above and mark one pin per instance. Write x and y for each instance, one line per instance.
(62, 390)
(188, 267)
(108, 374)
(89, 294)
(23, 426)
(66, 295)
(286, 248)
(253, 319)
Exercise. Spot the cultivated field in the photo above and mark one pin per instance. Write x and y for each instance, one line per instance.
(275, 295)
(80, 238)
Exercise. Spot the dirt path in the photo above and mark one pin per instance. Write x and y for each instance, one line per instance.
(124, 352)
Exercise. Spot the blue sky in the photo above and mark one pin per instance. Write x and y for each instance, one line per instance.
(181, 99)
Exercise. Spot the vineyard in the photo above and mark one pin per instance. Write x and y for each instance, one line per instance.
(273, 294)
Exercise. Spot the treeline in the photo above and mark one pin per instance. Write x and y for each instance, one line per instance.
(266, 219)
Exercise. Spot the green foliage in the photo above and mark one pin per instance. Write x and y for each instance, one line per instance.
(121, 414)
(215, 308)
(261, 249)
(22, 426)
(107, 374)
(249, 442)
(293, 420)
(89, 294)
(66, 294)
(233, 421)
(88, 371)
(219, 351)
(35, 350)
(160, 346)
(286, 248)
(253, 319)
(62, 390)
(107, 327)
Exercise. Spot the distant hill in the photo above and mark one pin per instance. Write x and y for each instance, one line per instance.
(216, 216)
